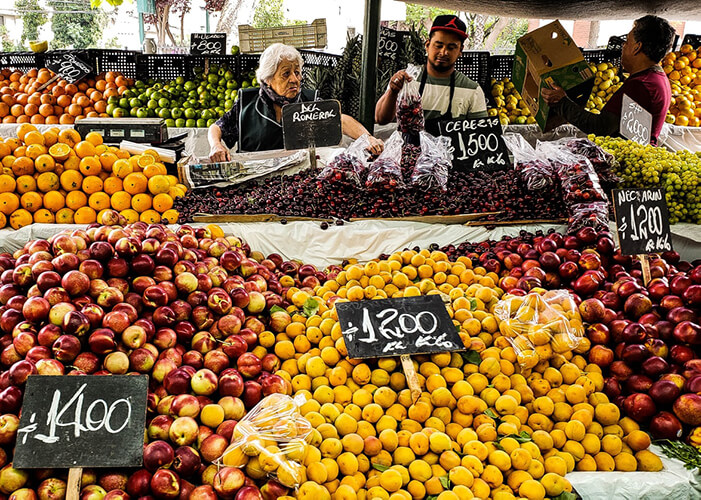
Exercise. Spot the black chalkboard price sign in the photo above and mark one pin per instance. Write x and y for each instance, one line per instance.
(636, 122)
(392, 327)
(312, 124)
(642, 220)
(208, 44)
(69, 66)
(389, 44)
(476, 144)
(91, 421)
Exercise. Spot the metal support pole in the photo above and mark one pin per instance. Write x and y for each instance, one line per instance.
(206, 20)
(142, 34)
(371, 37)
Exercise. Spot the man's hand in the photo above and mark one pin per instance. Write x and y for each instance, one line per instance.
(219, 153)
(553, 95)
(397, 81)
(376, 146)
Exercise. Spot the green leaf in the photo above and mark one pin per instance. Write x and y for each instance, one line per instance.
(445, 481)
(473, 304)
(490, 413)
(498, 446)
(522, 437)
(472, 357)
(310, 307)
(565, 495)
(380, 467)
(275, 309)
(432, 497)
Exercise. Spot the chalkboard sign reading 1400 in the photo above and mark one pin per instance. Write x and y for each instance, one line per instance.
(82, 422)
(208, 44)
(642, 220)
(311, 124)
(391, 327)
(476, 144)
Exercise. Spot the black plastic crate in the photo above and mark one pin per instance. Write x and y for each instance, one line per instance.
(199, 61)
(693, 40)
(160, 66)
(474, 64)
(248, 62)
(501, 66)
(123, 61)
(23, 61)
(312, 58)
(596, 56)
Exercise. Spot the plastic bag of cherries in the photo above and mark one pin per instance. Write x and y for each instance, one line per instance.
(580, 182)
(594, 215)
(350, 164)
(410, 113)
(385, 173)
(535, 171)
(433, 164)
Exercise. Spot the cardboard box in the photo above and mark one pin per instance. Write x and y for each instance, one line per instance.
(549, 55)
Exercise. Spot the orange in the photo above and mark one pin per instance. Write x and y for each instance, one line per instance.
(94, 138)
(121, 200)
(141, 202)
(176, 192)
(113, 185)
(23, 166)
(44, 216)
(173, 180)
(34, 137)
(99, 150)
(34, 151)
(152, 152)
(72, 163)
(20, 218)
(145, 160)
(85, 215)
(90, 165)
(158, 184)
(107, 160)
(3, 220)
(8, 161)
(50, 137)
(76, 200)
(135, 183)
(150, 217)
(154, 169)
(14, 143)
(121, 168)
(26, 184)
(130, 215)
(24, 129)
(54, 201)
(84, 149)
(169, 217)
(48, 181)
(44, 163)
(92, 184)
(20, 151)
(121, 154)
(162, 202)
(31, 201)
(60, 151)
(4, 149)
(7, 183)
(71, 180)
(9, 202)
(64, 216)
(99, 201)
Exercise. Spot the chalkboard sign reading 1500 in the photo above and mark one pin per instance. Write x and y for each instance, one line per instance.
(476, 144)
(391, 327)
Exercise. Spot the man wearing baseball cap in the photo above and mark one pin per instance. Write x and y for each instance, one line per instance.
(445, 92)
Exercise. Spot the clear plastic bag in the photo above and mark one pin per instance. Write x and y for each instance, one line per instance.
(350, 164)
(410, 113)
(540, 326)
(602, 161)
(580, 182)
(594, 215)
(274, 432)
(535, 171)
(432, 166)
(386, 171)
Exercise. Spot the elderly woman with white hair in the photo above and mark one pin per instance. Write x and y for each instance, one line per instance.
(255, 120)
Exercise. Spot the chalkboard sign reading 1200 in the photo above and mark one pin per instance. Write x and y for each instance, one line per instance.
(391, 327)
(642, 220)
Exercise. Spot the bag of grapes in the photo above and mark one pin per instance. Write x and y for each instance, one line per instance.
(536, 171)
(595, 214)
(539, 326)
(274, 432)
(410, 113)
(433, 164)
(350, 164)
(386, 171)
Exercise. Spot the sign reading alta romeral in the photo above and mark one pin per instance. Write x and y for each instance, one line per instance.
(312, 124)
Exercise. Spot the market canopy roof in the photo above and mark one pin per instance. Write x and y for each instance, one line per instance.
(677, 10)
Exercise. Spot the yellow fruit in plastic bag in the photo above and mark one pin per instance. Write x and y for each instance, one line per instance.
(234, 457)
(296, 450)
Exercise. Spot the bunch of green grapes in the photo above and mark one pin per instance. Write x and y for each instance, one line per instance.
(679, 173)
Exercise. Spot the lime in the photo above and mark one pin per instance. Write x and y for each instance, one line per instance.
(120, 113)
(201, 123)
(163, 102)
(190, 113)
(170, 123)
(180, 122)
(176, 112)
(164, 113)
(152, 104)
(142, 113)
(124, 102)
(190, 123)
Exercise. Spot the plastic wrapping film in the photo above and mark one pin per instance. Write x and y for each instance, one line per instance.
(536, 171)
(350, 164)
(432, 166)
(595, 214)
(410, 113)
(386, 172)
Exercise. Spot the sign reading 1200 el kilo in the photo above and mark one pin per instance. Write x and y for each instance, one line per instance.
(391, 327)
(87, 421)
(642, 220)
(311, 124)
(476, 144)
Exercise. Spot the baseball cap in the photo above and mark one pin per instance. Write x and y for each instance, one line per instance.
(449, 22)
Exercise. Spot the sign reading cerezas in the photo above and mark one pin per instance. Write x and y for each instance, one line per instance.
(636, 122)
(91, 421)
(208, 44)
(68, 66)
(476, 144)
(311, 124)
(642, 220)
(392, 327)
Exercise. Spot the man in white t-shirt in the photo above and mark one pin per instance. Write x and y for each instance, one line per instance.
(445, 92)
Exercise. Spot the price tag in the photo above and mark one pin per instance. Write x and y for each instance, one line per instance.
(642, 220)
(389, 43)
(636, 122)
(69, 66)
(204, 44)
(91, 421)
(312, 124)
(393, 327)
(476, 144)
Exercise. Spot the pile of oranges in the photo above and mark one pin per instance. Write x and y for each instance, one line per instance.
(60, 102)
(683, 68)
(57, 176)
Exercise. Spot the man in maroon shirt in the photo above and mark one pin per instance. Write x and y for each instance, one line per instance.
(647, 43)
